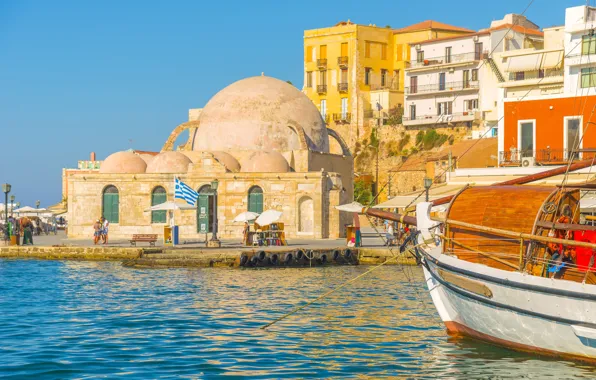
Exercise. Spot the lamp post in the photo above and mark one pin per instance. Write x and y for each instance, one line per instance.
(11, 204)
(37, 203)
(428, 182)
(214, 242)
(6, 189)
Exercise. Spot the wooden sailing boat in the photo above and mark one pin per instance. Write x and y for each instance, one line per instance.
(511, 265)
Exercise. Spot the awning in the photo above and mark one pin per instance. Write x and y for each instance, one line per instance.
(403, 201)
(552, 59)
(528, 62)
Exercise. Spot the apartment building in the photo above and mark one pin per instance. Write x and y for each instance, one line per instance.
(354, 73)
(552, 124)
(453, 81)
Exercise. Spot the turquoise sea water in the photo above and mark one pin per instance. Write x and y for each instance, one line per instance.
(100, 320)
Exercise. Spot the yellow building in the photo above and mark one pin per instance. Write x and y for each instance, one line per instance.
(349, 68)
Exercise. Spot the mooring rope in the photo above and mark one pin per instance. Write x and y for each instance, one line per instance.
(339, 287)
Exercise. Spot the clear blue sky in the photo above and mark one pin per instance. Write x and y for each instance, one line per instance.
(82, 76)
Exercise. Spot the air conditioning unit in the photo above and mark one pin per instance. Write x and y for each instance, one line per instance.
(528, 162)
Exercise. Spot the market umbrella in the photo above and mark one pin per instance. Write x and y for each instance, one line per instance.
(351, 207)
(268, 217)
(171, 206)
(246, 216)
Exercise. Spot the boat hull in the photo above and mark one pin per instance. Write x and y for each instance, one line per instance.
(511, 309)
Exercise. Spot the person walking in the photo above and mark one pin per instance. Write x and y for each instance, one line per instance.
(105, 227)
(96, 231)
(245, 232)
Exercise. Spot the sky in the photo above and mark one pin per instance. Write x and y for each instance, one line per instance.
(104, 76)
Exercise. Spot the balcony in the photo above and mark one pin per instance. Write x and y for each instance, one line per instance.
(442, 87)
(543, 156)
(342, 118)
(457, 117)
(536, 74)
(342, 62)
(392, 85)
(342, 87)
(448, 60)
(322, 88)
(322, 63)
(580, 58)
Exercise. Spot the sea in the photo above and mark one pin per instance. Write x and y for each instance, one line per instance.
(92, 320)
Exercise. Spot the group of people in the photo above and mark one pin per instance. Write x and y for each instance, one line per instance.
(100, 229)
(21, 227)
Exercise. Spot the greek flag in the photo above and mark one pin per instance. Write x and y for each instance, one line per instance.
(183, 191)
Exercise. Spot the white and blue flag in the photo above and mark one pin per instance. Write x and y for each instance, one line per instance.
(183, 191)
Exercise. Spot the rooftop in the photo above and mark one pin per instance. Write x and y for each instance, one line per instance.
(430, 24)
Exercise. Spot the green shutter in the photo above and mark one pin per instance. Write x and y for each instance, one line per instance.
(255, 202)
(203, 220)
(110, 207)
(158, 197)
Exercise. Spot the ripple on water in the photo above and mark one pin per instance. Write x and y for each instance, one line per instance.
(97, 320)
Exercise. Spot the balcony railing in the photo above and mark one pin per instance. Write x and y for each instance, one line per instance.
(322, 88)
(447, 59)
(446, 118)
(342, 62)
(389, 85)
(342, 87)
(535, 74)
(438, 87)
(322, 63)
(340, 118)
(514, 157)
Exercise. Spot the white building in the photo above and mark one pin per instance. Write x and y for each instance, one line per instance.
(580, 51)
(454, 80)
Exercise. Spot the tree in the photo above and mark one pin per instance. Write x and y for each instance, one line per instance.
(362, 192)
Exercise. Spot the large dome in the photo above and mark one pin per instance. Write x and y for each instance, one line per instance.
(260, 113)
(265, 162)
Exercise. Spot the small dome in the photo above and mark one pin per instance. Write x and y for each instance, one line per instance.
(169, 162)
(123, 163)
(265, 162)
(147, 158)
(227, 160)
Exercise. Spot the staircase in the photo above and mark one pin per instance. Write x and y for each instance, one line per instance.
(495, 69)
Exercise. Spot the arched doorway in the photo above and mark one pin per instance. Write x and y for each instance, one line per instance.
(255, 199)
(205, 210)
(158, 196)
(110, 204)
(306, 215)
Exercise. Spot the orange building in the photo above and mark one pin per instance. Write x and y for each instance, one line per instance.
(546, 131)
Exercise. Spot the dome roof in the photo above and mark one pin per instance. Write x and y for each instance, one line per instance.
(265, 162)
(227, 160)
(260, 113)
(123, 163)
(146, 157)
(169, 162)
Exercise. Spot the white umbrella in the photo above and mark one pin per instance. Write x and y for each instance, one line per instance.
(351, 207)
(171, 206)
(246, 216)
(268, 217)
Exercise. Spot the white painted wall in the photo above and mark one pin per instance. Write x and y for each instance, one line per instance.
(578, 22)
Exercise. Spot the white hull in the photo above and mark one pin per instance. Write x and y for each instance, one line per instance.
(512, 309)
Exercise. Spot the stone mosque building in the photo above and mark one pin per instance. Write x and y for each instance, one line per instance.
(261, 138)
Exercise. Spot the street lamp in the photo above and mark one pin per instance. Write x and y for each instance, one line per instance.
(6, 189)
(37, 203)
(428, 182)
(11, 204)
(214, 241)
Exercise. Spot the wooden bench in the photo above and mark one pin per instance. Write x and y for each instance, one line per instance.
(147, 238)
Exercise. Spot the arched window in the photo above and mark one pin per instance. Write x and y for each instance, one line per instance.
(255, 199)
(110, 204)
(158, 196)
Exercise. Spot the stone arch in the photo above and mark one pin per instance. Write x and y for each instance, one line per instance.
(169, 144)
(301, 135)
(306, 215)
(344, 147)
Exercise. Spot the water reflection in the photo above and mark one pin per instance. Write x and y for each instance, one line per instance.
(85, 319)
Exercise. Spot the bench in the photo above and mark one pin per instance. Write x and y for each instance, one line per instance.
(147, 238)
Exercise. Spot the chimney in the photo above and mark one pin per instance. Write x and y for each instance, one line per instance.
(92, 156)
